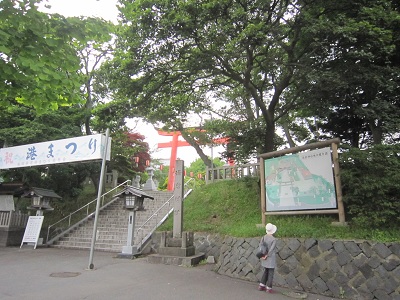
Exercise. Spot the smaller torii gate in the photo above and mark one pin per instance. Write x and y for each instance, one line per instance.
(174, 144)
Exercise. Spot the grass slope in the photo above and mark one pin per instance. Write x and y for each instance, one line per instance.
(232, 207)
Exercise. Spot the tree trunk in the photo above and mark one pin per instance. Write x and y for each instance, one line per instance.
(269, 137)
(288, 135)
(269, 140)
(196, 146)
(377, 132)
(96, 181)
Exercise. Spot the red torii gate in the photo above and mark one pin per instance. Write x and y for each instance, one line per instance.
(174, 144)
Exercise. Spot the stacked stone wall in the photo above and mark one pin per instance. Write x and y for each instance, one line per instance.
(342, 269)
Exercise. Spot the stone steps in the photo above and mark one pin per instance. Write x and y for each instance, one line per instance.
(112, 226)
(98, 247)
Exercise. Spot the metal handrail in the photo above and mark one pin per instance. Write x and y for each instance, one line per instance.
(69, 217)
(187, 190)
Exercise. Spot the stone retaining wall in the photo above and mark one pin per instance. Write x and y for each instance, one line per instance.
(341, 269)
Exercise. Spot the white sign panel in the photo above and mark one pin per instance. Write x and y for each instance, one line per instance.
(90, 147)
(32, 230)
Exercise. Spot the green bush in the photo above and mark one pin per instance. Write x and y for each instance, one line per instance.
(371, 185)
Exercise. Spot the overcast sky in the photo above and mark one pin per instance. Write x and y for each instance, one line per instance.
(105, 9)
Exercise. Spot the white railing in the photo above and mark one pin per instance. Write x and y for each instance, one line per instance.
(5, 217)
(232, 172)
(79, 214)
(188, 188)
(18, 219)
(13, 219)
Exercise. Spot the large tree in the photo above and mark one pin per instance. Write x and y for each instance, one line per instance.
(174, 54)
(352, 83)
(40, 51)
(93, 50)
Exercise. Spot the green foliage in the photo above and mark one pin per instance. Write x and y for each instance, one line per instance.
(232, 207)
(327, 68)
(67, 180)
(246, 138)
(350, 83)
(46, 59)
(161, 176)
(37, 59)
(198, 166)
(93, 49)
(205, 49)
(163, 185)
(219, 208)
(126, 145)
(69, 204)
(371, 185)
(20, 125)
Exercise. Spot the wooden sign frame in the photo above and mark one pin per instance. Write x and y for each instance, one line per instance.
(335, 159)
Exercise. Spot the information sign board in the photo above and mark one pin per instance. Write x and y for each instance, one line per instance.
(32, 230)
(301, 181)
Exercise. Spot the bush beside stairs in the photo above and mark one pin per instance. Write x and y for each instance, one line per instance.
(112, 226)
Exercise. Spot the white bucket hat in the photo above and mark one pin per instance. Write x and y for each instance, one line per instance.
(270, 228)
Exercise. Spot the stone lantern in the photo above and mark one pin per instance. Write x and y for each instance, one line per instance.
(150, 185)
(40, 199)
(133, 201)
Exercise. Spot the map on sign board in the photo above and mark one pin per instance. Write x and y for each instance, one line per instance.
(301, 181)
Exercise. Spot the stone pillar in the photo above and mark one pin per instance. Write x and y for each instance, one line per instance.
(163, 239)
(178, 199)
(184, 240)
(136, 182)
(114, 178)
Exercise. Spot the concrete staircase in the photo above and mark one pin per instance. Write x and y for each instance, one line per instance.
(112, 226)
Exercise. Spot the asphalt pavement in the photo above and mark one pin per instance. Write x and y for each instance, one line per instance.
(50, 273)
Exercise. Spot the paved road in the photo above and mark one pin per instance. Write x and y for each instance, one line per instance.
(49, 273)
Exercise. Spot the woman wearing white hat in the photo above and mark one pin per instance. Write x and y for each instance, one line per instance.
(268, 261)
